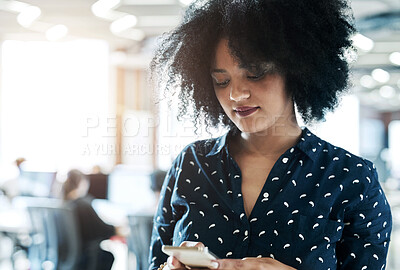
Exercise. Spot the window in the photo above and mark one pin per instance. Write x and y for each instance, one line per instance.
(54, 98)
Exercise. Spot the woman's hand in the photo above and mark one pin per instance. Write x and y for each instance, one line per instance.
(252, 264)
(230, 264)
(175, 264)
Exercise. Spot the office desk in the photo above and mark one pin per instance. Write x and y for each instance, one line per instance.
(116, 214)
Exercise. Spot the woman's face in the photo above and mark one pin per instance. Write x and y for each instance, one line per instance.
(254, 99)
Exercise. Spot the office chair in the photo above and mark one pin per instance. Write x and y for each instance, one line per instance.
(55, 237)
(139, 238)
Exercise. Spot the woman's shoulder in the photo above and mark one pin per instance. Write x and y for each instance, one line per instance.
(337, 154)
(322, 151)
(352, 170)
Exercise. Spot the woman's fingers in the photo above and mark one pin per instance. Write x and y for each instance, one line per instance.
(231, 264)
(252, 263)
(247, 263)
(192, 244)
(174, 263)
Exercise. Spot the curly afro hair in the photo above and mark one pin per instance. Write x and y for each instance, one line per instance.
(306, 39)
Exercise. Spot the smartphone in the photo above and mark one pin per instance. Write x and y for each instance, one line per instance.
(191, 256)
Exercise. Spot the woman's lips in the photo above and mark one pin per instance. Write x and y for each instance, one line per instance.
(245, 111)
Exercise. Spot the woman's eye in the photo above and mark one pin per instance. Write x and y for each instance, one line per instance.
(224, 83)
(257, 76)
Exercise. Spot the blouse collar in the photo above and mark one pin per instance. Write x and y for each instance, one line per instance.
(309, 143)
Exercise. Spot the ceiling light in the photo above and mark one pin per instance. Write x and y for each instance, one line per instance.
(387, 91)
(395, 58)
(362, 42)
(28, 15)
(380, 75)
(102, 7)
(14, 6)
(367, 81)
(123, 24)
(56, 32)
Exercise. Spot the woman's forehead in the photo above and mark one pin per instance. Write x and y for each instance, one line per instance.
(223, 56)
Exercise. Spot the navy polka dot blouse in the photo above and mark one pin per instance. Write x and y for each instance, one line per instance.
(320, 208)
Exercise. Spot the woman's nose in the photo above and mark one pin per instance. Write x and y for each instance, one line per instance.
(239, 93)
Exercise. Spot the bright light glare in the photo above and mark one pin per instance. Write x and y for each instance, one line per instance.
(367, 81)
(47, 109)
(362, 42)
(387, 91)
(123, 24)
(346, 116)
(102, 7)
(28, 15)
(380, 75)
(15, 6)
(56, 32)
(395, 58)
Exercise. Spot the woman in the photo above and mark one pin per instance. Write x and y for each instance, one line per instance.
(91, 227)
(268, 194)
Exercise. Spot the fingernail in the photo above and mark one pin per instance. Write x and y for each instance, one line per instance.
(214, 265)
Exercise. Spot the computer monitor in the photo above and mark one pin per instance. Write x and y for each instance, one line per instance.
(130, 188)
(36, 183)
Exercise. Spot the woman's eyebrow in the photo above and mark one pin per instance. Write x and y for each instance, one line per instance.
(217, 70)
(261, 66)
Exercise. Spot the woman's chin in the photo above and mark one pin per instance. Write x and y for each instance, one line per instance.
(253, 127)
(252, 130)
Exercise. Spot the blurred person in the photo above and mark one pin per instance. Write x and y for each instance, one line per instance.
(91, 227)
(268, 194)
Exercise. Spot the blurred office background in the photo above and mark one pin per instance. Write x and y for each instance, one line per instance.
(74, 94)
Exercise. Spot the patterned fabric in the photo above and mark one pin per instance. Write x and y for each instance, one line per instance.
(320, 208)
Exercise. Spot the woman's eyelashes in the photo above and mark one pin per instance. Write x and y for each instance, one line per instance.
(222, 83)
(250, 75)
(257, 76)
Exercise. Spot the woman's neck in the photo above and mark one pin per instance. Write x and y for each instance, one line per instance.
(270, 143)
